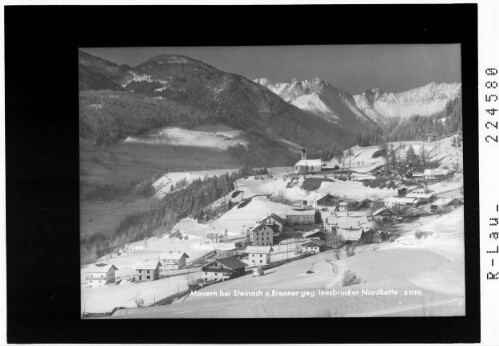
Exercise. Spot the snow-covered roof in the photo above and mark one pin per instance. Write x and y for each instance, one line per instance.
(400, 200)
(314, 242)
(259, 249)
(351, 222)
(214, 232)
(315, 196)
(350, 235)
(258, 226)
(301, 212)
(444, 201)
(146, 265)
(310, 233)
(100, 268)
(420, 195)
(309, 163)
(436, 171)
(176, 255)
(274, 216)
(230, 262)
(380, 210)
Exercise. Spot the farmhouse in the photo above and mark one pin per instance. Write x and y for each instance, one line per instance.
(437, 173)
(101, 274)
(301, 216)
(259, 255)
(262, 235)
(146, 271)
(313, 246)
(422, 195)
(351, 227)
(275, 222)
(173, 259)
(383, 214)
(219, 254)
(328, 201)
(222, 269)
(400, 202)
(216, 236)
(365, 204)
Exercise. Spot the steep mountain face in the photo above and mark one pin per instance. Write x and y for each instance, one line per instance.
(224, 97)
(426, 100)
(374, 106)
(318, 97)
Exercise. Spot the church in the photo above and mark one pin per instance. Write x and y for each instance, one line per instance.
(308, 166)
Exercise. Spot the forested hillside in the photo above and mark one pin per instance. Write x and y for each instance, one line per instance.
(190, 200)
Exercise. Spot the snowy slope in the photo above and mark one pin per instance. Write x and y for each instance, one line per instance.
(433, 265)
(164, 184)
(426, 100)
(440, 151)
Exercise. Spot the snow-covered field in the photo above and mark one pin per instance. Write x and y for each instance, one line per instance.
(164, 184)
(440, 151)
(182, 137)
(431, 268)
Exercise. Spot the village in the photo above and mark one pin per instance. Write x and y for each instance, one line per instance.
(286, 215)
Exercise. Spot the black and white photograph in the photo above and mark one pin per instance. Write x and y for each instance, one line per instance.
(285, 181)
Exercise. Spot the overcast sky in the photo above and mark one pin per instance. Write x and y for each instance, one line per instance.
(353, 68)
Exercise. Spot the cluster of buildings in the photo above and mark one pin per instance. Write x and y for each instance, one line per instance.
(102, 274)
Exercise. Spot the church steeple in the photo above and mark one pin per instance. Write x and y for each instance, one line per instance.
(304, 154)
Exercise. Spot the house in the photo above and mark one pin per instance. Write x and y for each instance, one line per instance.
(328, 201)
(301, 216)
(400, 202)
(259, 255)
(445, 204)
(365, 204)
(437, 173)
(173, 259)
(219, 254)
(276, 222)
(313, 246)
(351, 227)
(215, 236)
(262, 235)
(315, 234)
(146, 271)
(307, 166)
(418, 175)
(223, 269)
(383, 214)
(422, 195)
(101, 274)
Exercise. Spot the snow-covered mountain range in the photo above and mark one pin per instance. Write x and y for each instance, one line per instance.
(426, 100)
(319, 97)
(371, 107)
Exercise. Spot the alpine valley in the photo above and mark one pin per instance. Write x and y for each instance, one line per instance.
(150, 133)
